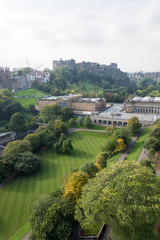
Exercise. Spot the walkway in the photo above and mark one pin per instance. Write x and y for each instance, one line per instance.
(129, 147)
(72, 130)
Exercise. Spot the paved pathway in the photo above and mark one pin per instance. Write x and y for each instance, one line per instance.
(143, 154)
(72, 130)
(129, 147)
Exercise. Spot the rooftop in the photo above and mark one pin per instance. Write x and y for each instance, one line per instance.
(145, 99)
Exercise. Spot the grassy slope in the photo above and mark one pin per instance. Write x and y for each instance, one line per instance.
(16, 196)
(25, 102)
(29, 92)
(137, 148)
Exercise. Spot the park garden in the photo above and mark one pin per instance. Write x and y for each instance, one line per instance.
(68, 161)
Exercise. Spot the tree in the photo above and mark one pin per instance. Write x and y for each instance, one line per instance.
(110, 145)
(34, 139)
(101, 159)
(49, 112)
(67, 146)
(47, 138)
(17, 122)
(90, 169)
(16, 147)
(32, 108)
(80, 121)
(133, 125)
(87, 121)
(67, 113)
(152, 142)
(26, 163)
(146, 163)
(74, 185)
(123, 133)
(12, 108)
(72, 122)
(59, 127)
(126, 197)
(155, 133)
(120, 146)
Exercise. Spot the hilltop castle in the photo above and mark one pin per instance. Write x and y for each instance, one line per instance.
(86, 65)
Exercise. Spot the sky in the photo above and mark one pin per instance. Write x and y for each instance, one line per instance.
(123, 31)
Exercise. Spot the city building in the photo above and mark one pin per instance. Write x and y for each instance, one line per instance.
(142, 105)
(76, 102)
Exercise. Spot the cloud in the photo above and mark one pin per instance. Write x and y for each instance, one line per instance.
(127, 33)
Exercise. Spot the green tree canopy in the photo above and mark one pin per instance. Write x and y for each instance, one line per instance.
(17, 122)
(87, 121)
(134, 124)
(26, 163)
(67, 113)
(16, 147)
(125, 197)
(52, 217)
(34, 139)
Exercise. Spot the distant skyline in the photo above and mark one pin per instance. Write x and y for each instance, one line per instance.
(126, 32)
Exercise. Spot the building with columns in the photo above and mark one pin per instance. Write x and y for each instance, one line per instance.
(142, 105)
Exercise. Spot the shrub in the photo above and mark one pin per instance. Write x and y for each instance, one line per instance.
(34, 139)
(26, 163)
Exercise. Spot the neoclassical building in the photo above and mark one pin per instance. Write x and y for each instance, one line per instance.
(76, 102)
(142, 105)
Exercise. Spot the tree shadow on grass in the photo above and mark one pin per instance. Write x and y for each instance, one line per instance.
(80, 154)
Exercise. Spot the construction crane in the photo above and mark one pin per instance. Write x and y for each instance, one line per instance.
(39, 66)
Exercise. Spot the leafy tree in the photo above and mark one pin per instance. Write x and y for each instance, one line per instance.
(133, 125)
(74, 185)
(6, 92)
(64, 145)
(59, 127)
(87, 121)
(67, 113)
(152, 142)
(17, 122)
(52, 216)
(101, 159)
(34, 139)
(16, 147)
(32, 108)
(67, 146)
(120, 146)
(155, 133)
(126, 197)
(110, 145)
(80, 121)
(47, 138)
(123, 133)
(72, 122)
(26, 163)
(146, 163)
(12, 108)
(151, 153)
(90, 169)
(49, 112)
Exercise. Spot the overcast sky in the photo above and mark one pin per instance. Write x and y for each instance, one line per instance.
(123, 31)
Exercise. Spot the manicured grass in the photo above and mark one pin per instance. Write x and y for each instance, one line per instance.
(16, 196)
(138, 146)
(94, 127)
(29, 92)
(23, 231)
(25, 102)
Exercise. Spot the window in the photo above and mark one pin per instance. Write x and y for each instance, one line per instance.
(64, 104)
(59, 104)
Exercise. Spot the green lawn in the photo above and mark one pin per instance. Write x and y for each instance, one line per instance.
(25, 102)
(29, 92)
(94, 127)
(16, 196)
(138, 146)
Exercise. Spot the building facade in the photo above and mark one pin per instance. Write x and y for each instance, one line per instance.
(76, 102)
(142, 105)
